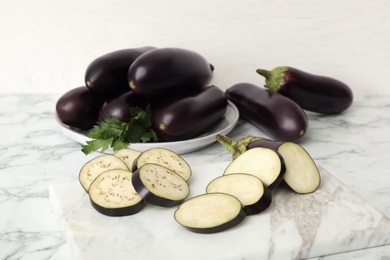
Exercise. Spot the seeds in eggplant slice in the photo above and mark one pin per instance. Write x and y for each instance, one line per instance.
(127, 155)
(112, 193)
(302, 174)
(159, 185)
(96, 166)
(166, 158)
(249, 189)
(261, 162)
(210, 213)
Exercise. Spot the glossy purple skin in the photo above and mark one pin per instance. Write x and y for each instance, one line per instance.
(120, 106)
(108, 73)
(169, 70)
(316, 93)
(79, 108)
(277, 115)
(185, 117)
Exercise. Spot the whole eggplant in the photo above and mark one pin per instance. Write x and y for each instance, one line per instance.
(108, 73)
(121, 105)
(169, 70)
(277, 115)
(79, 107)
(312, 92)
(184, 117)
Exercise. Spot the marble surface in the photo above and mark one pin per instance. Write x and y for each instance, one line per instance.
(331, 220)
(352, 146)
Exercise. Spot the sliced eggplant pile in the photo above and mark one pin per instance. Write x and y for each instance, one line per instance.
(250, 190)
(166, 158)
(159, 185)
(210, 213)
(112, 193)
(127, 155)
(96, 166)
(264, 163)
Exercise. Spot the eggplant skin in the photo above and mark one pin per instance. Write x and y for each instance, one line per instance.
(275, 114)
(79, 108)
(314, 93)
(181, 118)
(108, 73)
(169, 70)
(119, 107)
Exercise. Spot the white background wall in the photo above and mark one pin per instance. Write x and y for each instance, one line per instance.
(46, 45)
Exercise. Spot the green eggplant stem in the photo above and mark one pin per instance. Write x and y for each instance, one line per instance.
(237, 147)
(273, 78)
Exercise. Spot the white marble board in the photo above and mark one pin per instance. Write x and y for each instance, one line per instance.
(331, 220)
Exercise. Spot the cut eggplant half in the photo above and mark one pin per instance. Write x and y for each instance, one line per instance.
(112, 193)
(159, 185)
(266, 164)
(250, 190)
(96, 166)
(166, 158)
(302, 174)
(210, 213)
(128, 156)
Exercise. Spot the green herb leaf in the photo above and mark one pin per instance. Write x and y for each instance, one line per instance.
(111, 132)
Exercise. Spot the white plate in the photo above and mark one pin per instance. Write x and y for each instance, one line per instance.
(224, 126)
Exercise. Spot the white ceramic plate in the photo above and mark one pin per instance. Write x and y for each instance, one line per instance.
(224, 126)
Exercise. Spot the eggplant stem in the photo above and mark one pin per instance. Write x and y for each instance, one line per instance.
(273, 78)
(226, 142)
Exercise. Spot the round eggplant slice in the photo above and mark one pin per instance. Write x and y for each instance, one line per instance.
(250, 190)
(159, 185)
(112, 193)
(127, 155)
(96, 166)
(166, 158)
(210, 213)
(266, 164)
(302, 174)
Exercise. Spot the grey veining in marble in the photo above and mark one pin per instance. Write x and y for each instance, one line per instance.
(33, 154)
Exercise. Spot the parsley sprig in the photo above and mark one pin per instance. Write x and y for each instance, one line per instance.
(111, 132)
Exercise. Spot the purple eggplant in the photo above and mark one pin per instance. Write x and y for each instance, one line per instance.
(184, 117)
(121, 105)
(169, 70)
(312, 92)
(108, 73)
(277, 115)
(79, 107)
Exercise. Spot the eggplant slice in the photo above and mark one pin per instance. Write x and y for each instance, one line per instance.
(302, 174)
(210, 213)
(166, 158)
(96, 166)
(112, 193)
(159, 185)
(266, 164)
(127, 155)
(250, 190)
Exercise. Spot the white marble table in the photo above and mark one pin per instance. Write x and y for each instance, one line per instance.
(352, 146)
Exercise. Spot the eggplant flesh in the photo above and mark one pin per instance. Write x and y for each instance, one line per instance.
(302, 174)
(250, 190)
(210, 213)
(314, 93)
(112, 193)
(166, 158)
(108, 73)
(79, 108)
(185, 117)
(266, 164)
(98, 165)
(159, 185)
(169, 70)
(278, 116)
(128, 156)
